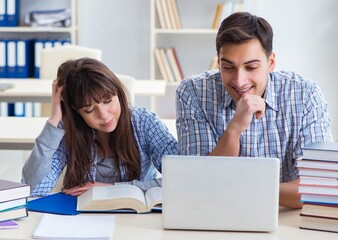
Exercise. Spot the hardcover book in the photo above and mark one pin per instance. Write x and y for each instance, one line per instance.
(319, 223)
(13, 213)
(326, 151)
(119, 197)
(318, 181)
(320, 210)
(13, 190)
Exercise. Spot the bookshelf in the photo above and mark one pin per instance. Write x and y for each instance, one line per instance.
(24, 31)
(193, 40)
(194, 43)
(33, 38)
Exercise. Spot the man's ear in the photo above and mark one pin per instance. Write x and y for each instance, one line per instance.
(272, 62)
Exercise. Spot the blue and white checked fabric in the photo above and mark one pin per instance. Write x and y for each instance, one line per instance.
(153, 140)
(296, 115)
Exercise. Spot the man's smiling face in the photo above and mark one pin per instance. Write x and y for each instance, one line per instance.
(244, 68)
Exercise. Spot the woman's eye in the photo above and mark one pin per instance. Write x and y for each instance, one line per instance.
(107, 101)
(89, 110)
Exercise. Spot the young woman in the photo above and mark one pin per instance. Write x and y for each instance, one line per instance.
(95, 134)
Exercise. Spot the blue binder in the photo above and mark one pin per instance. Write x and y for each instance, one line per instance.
(3, 56)
(57, 203)
(11, 58)
(38, 45)
(19, 109)
(3, 17)
(10, 109)
(12, 10)
(24, 60)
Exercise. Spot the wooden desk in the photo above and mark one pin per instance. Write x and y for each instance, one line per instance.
(30, 90)
(149, 226)
(20, 132)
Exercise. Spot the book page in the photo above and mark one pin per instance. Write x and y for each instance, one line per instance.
(154, 198)
(107, 198)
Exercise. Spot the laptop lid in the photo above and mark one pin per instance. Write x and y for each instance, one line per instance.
(220, 193)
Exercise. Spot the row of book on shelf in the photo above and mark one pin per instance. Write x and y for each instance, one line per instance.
(9, 13)
(318, 186)
(13, 199)
(20, 59)
(170, 67)
(168, 15)
(168, 64)
(20, 109)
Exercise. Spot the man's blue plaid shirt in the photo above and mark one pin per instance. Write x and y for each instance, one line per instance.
(296, 115)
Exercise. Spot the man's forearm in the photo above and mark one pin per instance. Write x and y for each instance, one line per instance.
(228, 144)
(288, 194)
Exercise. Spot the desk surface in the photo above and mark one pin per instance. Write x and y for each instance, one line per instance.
(20, 132)
(30, 90)
(149, 226)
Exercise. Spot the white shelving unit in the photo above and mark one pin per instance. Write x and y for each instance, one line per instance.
(194, 43)
(23, 31)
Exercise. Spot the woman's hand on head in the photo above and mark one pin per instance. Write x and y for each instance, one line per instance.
(56, 111)
(77, 191)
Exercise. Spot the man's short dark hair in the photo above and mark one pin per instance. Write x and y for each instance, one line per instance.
(241, 27)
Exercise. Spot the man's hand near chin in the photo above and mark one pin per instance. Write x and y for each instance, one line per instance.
(246, 107)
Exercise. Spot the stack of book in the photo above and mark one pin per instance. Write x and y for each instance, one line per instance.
(318, 186)
(13, 199)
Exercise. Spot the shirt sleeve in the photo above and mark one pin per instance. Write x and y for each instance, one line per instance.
(195, 134)
(46, 161)
(159, 140)
(316, 124)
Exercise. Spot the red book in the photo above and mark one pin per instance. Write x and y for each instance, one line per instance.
(178, 63)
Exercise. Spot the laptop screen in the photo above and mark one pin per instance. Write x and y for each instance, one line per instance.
(220, 193)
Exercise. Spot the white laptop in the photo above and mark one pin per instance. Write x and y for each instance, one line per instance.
(220, 193)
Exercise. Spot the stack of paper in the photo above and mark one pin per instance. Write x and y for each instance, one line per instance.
(75, 227)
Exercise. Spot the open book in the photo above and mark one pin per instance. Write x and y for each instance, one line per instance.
(119, 197)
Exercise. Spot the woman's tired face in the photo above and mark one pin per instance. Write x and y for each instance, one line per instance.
(103, 116)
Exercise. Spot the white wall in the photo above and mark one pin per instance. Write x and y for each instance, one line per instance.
(121, 29)
(306, 36)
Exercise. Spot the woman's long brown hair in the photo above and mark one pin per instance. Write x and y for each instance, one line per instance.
(85, 81)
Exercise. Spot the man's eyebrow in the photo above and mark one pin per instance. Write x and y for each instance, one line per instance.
(248, 62)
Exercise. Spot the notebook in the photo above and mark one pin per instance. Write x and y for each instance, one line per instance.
(220, 193)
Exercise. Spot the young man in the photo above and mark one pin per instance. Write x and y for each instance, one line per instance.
(247, 109)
